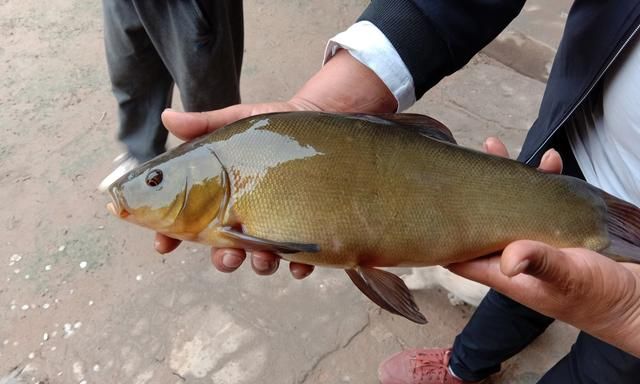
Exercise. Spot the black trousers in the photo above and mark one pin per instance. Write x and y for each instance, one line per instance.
(152, 45)
(501, 327)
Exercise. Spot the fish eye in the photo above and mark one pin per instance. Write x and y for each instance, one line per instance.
(154, 178)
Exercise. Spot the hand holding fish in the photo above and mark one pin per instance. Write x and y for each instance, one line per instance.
(575, 285)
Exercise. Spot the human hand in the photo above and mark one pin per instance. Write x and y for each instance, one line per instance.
(575, 285)
(342, 85)
(578, 286)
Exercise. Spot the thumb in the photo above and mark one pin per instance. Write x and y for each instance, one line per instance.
(188, 125)
(536, 259)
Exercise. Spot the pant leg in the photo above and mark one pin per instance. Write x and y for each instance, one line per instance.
(499, 329)
(201, 44)
(592, 361)
(140, 82)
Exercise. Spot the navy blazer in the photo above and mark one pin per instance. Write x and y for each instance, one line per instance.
(435, 38)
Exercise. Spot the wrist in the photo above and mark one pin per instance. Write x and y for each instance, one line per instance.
(621, 327)
(345, 85)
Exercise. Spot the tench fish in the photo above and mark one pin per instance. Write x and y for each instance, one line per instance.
(359, 192)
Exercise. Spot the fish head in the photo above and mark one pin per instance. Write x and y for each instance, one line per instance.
(179, 193)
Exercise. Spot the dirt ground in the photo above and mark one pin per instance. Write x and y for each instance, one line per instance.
(84, 297)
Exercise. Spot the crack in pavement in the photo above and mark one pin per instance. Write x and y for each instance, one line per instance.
(338, 348)
(474, 115)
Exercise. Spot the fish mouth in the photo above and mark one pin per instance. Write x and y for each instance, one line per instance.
(117, 210)
(115, 206)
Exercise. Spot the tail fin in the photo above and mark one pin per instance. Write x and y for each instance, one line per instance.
(623, 223)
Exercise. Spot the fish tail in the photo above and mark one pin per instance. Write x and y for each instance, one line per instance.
(623, 223)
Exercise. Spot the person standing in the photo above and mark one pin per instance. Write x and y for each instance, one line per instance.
(152, 45)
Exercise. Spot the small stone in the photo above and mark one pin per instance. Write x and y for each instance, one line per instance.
(53, 348)
(77, 325)
(83, 264)
(96, 368)
(15, 257)
(45, 337)
(47, 267)
(139, 277)
(100, 226)
(32, 355)
(61, 248)
(45, 305)
(27, 277)
(25, 307)
(68, 330)
(90, 302)
(5, 342)
(16, 271)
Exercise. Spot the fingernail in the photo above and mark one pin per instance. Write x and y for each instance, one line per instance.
(156, 245)
(485, 145)
(520, 268)
(544, 157)
(231, 260)
(262, 265)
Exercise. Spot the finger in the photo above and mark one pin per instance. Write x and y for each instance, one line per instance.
(493, 146)
(164, 244)
(188, 125)
(264, 263)
(300, 271)
(551, 162)
(484, 270)
(227, 259)
(536, 259)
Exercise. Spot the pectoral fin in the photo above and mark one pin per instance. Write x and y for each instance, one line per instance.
(253, 243)
(388, 291)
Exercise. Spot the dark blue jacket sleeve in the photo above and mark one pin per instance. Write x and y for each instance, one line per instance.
(435, 38)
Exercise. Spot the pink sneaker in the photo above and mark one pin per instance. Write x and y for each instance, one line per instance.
(418, 366)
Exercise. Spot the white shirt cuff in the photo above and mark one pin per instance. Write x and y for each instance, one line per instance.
(367, 44)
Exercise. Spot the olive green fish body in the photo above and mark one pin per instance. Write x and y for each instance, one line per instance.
(373, 194)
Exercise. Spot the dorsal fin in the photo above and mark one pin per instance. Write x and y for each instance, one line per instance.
(427, 126)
